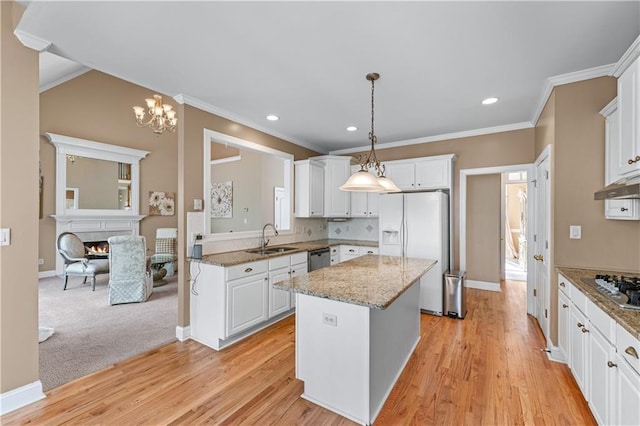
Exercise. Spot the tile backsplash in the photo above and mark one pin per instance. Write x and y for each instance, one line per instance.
(354, 229)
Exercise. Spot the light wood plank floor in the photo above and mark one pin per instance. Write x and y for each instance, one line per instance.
(487, 369)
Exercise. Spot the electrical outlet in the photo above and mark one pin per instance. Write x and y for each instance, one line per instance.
(330, 319)
(40, 261)
(5, 236)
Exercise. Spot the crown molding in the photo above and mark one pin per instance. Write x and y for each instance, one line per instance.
(632, 53)
(609, 108)
(31, 41)
(64, 79)
(572, 77)
(212, 109)
(439, 138)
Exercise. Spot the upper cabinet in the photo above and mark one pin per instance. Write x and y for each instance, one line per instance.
(309, 188)
(421, 173)
(628, 164)
(364, 204)
(337, 169)
(615, 209)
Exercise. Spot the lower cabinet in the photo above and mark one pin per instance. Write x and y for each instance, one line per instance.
(579, 341)
(349, 252)
(564, 319)
(246, 303)
(627, 388)
(601, 378)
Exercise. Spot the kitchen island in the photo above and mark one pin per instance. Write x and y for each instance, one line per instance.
(357, 324)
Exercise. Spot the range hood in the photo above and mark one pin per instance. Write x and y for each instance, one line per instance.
(621, 190)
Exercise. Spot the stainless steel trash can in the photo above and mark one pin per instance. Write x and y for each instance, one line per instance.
(455, 305)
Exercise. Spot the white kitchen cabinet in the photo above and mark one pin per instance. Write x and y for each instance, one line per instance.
(601, 376)
(349, 252)
(334, 251)
(615, 209)
(364, 204)
(424, 173)
(309, 188)
(337, 170)
(579, 354)
(564, 320)
(627, 389)
(247, 303)
(299, 266)
(368, 250)
(629, 106)
(279, 300)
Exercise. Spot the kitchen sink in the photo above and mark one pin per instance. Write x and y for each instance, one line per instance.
(271, 250)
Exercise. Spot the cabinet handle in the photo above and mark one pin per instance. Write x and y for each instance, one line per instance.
(411, 184)
(292, 272)
(564, 305)
(538, 257)
(634, 160)
(248, 270)
(611, 364)
(584, 330)
(418, 184)
(369, 213)
(631, 351)
(562, 284)
(369, 252)
(623, 209)
(580, 325)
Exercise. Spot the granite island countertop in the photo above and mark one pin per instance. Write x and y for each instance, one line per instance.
(371, 280)
(629, 319)
(237, 257)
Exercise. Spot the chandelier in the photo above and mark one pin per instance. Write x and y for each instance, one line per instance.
(363, 180)
(162, 116)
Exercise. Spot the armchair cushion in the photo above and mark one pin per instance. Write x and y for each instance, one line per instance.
(96, 266)
(165, 246)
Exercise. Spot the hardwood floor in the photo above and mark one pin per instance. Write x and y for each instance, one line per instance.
(486, 369)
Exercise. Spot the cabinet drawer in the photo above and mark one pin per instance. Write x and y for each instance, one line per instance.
(603, 322)
(299, 269)
(279, 262)
(334, 250)
(578, 298)
(349, 251)
(299, 258)
(368, 250)
(628, 347)
(563, 285)
(246, 270)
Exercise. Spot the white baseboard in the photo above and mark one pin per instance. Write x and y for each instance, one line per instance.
(20, 397)
(482, 285)
(555, 354)
(183, 333)
(47, 274)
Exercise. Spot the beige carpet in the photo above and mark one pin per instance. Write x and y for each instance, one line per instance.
(89, 334)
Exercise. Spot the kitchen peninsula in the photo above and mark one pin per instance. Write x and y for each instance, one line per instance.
(357, 324)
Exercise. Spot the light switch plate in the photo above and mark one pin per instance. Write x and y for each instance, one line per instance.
(575, 232)
(197, 204)
(5, 236)
(330, 319)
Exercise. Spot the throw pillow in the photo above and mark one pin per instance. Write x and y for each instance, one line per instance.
(165, 246)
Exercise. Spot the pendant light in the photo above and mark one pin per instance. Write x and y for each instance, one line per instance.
(363, 180)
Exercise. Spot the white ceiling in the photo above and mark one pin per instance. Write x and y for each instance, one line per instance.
(306, 61)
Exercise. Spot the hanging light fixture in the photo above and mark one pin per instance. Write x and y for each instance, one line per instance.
(363, 180)
(163, 117)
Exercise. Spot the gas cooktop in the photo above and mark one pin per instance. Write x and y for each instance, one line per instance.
(625, 291)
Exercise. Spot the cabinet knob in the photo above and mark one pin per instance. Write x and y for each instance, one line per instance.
(369, 252)
(631, 351)
(562, 284)
(369, 213)
(611, 364)
(411, 184)
(351, 250)
(584, 330)
(419, 184)
(623, 209)
(538, 257)
(564, 305)
(634, 160)
(580, 325)
(248, 270)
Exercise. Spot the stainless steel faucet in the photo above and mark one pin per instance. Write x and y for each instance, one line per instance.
(264, 240)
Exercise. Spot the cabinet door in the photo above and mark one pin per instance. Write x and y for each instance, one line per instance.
(335, 254)
(247, 303)
(337, 202)
(622, 209)
(316, 196)
(279, 300)
(297, 270)
(579, 349)
(349, 252)
(373, 203)
(629, 108)
(627, 405)
(433, 174)
(601, 375)
(359, 200)
(403, 174)
(564, 319)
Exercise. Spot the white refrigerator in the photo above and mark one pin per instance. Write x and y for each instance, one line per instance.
(417, 225)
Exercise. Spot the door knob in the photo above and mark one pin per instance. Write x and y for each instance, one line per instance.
(538, 257)
(611, 364)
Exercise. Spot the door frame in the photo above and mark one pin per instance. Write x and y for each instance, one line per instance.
(464, 173)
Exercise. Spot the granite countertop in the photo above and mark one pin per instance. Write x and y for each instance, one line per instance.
(230, 258)
(629, 319)
(371, 280)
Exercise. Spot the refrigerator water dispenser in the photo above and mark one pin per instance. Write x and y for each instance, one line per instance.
(390, 236)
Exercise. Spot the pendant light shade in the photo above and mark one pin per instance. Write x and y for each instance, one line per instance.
(362, 181)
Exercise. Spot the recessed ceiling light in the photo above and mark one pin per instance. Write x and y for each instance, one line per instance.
(272, 117)
(352, 129)
(489, 101)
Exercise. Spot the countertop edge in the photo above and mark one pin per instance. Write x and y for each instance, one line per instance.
(618, 314)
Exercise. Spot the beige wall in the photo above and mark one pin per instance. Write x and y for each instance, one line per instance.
(98, 107)
(18, 205)
(483, 228)
(498, 149)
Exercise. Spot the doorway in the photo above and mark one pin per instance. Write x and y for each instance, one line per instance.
(514, 226)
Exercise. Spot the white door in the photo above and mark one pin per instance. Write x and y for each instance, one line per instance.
(541, 245)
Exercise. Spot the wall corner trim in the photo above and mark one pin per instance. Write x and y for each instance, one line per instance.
(482, 285)
(31, 41)
(183, 333)
(627, 58)
(19, 397)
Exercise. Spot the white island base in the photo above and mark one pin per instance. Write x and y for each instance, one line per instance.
(350, 356)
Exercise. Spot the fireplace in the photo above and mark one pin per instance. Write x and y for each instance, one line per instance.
(96, 249)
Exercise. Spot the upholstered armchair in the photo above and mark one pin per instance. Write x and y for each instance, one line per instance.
(73, 252)
(166, 255)
(130, 276)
